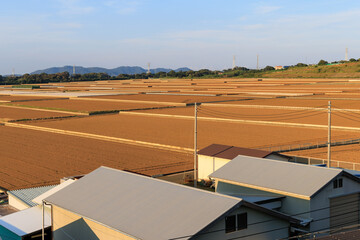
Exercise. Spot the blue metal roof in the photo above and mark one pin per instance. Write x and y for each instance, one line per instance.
(28, 194)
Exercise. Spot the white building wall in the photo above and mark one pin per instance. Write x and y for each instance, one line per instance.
(17, 203)
(254, 230)
(322, 201)
(208, 165)
(290, 205)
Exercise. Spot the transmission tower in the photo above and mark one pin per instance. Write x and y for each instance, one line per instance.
(257, 61)
(74, 70)
(233, 66)
(148, 71)
(346, 54)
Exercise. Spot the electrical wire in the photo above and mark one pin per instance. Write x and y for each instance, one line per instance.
(260, 222)
(262, 115)
(315, 113)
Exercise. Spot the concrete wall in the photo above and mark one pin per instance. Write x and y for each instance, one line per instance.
(253, 231)
(67, 224)
(17, 203)
(322, 200)
(208, 165)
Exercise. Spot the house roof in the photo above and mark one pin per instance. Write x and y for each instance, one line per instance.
(26, 221)
(53, 190)
(277, 176)
(28, 194)
(230, 152)
(139, 206)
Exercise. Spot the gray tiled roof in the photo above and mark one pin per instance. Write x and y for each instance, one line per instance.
(142, 207)
(28, 194)
(293, 178)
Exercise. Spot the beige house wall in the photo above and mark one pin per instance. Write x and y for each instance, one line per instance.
(68, 224)
(208, 165)
(17, 203)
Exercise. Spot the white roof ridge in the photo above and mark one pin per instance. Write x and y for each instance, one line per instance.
(171, 183)
(292, 163)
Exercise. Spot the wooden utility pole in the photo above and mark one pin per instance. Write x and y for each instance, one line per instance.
(329, 135)
(195, 147)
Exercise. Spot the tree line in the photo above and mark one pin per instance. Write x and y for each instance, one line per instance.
(203, 73)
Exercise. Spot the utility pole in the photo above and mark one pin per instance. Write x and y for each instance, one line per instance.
(329, 135)
(195, 147)
(257, 61)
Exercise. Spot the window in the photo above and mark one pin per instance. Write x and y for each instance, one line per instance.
(230, 224)
(235, 222)
(338, 183)
(241, 221)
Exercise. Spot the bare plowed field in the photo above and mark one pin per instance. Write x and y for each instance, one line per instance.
(8, 113)
(32, 158)
(179, 132)
(301, 102)
(170, 98)
(22, 98)
(347, 153)
(264, 113)
(84, 105)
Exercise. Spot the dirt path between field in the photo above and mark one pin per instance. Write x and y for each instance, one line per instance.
(45, 110)
(101, 137)
(287, 124)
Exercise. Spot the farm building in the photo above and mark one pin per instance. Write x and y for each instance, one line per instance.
(215, 156)
(278, 67)
(131, 206)
(25, 224)
(23, 198)
(327, 197)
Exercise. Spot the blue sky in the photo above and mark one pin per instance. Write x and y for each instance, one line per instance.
(37, 34)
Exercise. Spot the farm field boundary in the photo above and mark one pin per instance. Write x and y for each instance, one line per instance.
(128, 101)
(276, 107)
(285, 124)
(45, 110)
(102, 137)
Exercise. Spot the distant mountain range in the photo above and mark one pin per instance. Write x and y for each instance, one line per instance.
(111, 72)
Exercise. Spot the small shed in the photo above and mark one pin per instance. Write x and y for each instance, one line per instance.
(26, 224)
(215, 156)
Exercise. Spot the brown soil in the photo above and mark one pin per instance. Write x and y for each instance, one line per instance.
(32, 158)
(85, 105)
(16, 113)
(179, 132)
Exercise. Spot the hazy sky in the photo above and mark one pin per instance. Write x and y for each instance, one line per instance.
(37, 34)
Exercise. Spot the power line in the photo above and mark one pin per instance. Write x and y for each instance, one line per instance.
(293, 116)
(294, 215)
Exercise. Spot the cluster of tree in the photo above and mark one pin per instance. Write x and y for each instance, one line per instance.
(203, 73)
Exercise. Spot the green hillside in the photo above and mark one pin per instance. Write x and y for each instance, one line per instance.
(344, 70)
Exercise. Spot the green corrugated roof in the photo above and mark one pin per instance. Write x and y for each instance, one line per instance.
(28, 194)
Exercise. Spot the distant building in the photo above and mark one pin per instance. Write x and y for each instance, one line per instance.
(215, 156)
(327, 197)
(130, 206)
(278, 67)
